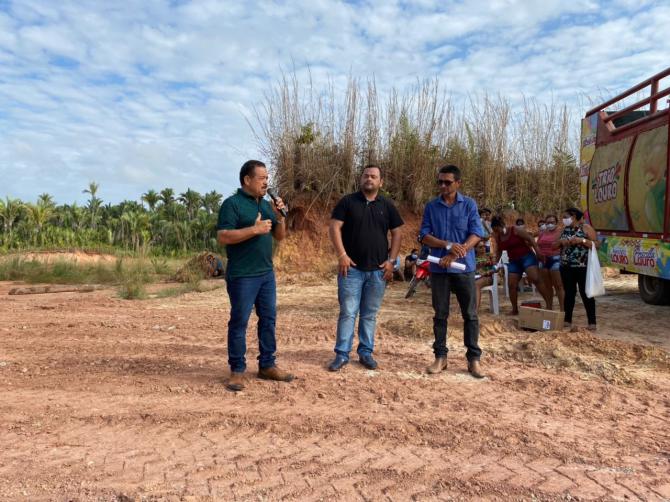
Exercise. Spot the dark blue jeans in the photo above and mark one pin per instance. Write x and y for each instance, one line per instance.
(246, 293)
(463, 285)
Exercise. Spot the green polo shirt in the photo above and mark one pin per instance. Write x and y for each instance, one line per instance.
(252, 257)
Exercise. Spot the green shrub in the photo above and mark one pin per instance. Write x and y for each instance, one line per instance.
(133, 279)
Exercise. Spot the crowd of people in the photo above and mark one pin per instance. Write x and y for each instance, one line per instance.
(468, 247)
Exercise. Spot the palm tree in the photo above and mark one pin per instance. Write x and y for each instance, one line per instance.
(93, 203)
(46, 200)
(204, 226)
(74, 217)
(10, 210)
(167, 197)
(138, 223)
(151, 198)
(192, 200)
(38, 215)
(212, 201)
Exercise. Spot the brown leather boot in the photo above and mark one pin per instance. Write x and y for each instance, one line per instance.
(236, 381)
(274, 373)
(440, 364)
(475, 369)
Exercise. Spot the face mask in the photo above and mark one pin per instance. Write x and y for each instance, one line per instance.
(567, 221)
(550, 226)
(543, 227)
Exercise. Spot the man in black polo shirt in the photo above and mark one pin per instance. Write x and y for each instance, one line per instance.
(359, 229)
(247, 224)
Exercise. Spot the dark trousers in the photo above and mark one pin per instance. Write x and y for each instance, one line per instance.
(573, 277)
(463, 285)
(246, 293)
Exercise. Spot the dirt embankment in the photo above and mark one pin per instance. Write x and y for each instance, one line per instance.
(76, 256)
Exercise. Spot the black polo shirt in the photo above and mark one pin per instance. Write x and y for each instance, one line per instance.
(366, 227)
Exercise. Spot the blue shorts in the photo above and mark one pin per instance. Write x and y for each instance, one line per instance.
(551, 263)
(520, 265)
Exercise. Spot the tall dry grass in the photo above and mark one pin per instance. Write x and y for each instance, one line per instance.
(318, 139)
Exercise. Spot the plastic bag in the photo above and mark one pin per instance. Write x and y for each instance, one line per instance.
(595, 285)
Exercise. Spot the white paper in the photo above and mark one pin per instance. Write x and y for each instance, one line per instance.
(454, 264)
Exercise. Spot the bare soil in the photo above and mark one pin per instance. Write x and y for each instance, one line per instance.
(108, 399)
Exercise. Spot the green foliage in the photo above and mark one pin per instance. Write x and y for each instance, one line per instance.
(159, 264)
(169, 226)
(133, 279)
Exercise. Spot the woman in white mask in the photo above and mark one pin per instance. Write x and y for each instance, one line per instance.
(550, 257)
(575, 241)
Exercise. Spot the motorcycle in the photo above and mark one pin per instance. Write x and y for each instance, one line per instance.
(422, 274)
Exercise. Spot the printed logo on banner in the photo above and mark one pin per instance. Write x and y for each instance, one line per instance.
(642, 258)
(546, 324)
(619, 255)
(605, 184)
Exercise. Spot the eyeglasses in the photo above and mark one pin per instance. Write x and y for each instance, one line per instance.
(445, 182)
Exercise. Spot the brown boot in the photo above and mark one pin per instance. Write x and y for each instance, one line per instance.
(440, 364)
(274, 373)
(475, 369)
(236, 381)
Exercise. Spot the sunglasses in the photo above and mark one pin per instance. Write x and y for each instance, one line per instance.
(445, 182)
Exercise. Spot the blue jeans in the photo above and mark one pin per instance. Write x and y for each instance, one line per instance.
(358, 292)
(244, 294)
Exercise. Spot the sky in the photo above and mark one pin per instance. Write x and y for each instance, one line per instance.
(147, 94)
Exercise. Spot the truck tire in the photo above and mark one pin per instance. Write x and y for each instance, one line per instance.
(654, 290)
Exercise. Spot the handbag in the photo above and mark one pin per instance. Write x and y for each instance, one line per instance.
(595, 286)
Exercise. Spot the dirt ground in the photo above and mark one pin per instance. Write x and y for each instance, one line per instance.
(108, 399)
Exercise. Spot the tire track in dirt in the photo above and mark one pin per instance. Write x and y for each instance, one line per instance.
(109, 404)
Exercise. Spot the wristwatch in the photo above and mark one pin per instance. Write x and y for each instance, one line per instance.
(448, 246)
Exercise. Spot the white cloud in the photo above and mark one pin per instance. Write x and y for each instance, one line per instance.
(139, 95)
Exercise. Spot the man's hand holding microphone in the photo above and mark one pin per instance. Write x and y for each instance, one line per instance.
(279, 206)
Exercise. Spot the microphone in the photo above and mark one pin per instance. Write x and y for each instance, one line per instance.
(274, 198)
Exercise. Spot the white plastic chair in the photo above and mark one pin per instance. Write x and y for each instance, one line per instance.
(492, 290)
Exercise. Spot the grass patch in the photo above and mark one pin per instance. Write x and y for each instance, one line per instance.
(191, 276)
(186, 288)
(133, 279)
(58, 272)
(130, 274)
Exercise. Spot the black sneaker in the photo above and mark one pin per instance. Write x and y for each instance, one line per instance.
(338, 363)
(368, 362)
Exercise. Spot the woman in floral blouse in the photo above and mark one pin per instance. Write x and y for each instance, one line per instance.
(575, 242)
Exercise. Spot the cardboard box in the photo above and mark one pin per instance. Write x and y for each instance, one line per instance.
(540, 319)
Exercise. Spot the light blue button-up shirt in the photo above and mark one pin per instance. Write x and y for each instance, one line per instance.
(453, 223)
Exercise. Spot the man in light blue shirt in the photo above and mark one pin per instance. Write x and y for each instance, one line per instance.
(452, 228)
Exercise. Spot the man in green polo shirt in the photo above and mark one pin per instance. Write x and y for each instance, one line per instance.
(247, 223)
